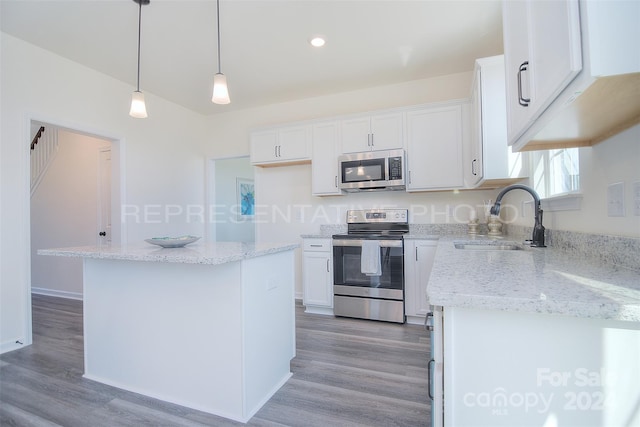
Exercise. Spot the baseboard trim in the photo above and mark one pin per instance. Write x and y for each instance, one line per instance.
(8, 346)
(56, 293)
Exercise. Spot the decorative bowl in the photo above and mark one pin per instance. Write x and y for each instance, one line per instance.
(172, 242)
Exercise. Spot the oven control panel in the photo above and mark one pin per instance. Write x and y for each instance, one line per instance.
(378, 215)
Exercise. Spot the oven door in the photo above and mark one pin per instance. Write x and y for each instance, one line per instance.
(348, 279)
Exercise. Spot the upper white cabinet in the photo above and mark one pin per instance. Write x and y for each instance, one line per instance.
(434, 148)
(488, 160)
(572, 71)
(542, 55)
(324, 161)
(281, 145)
(378, 132)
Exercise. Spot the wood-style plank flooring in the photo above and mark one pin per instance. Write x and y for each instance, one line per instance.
(347, 372)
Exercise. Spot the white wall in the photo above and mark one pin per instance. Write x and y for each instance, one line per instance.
(64, 212)
(614, 160)
(162, 160)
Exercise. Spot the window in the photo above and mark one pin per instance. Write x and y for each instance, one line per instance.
(556, 172)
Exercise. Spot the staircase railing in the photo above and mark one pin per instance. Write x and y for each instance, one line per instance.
(44, 148)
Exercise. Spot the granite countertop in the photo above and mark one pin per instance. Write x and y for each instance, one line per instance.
(534, 280)
(421, 236)
(200, 253)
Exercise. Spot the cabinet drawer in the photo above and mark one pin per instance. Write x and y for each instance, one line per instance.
(317, 245)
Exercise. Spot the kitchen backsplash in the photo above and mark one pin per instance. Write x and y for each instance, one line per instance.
(614, 250)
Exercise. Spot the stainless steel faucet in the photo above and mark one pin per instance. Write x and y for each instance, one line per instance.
(537, 239)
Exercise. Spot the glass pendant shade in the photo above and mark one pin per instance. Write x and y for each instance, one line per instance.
(220, 90)
(138, 107)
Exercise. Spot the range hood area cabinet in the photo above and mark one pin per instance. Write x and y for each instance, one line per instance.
(572, 71)
(489, 162)
(372, 133)
(277, 146)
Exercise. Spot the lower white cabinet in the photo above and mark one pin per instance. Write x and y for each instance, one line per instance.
(508, 368)
(317, 276)
(418, 260)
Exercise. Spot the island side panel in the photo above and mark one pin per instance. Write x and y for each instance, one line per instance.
(166, 330)
(269, 325)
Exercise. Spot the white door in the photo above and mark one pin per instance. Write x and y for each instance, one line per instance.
(104, 198)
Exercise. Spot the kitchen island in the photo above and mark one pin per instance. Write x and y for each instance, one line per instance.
(207, 326)
(535, 336)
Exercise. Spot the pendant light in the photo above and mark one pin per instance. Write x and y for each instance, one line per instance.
(220, 90)
(138, 107)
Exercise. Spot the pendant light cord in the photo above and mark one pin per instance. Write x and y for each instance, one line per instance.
(139, 33)
(218, 18)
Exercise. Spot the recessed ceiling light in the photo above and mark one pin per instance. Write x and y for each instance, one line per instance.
(317, 41)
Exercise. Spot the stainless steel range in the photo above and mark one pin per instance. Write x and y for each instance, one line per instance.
(368, 265)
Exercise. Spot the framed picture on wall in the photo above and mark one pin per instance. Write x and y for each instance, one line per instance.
(246, 197)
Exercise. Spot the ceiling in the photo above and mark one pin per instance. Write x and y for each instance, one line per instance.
(264, 43)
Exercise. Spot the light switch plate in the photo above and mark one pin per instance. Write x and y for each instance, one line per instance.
(615, 199)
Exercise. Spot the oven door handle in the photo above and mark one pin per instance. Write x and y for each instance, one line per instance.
(358, 243)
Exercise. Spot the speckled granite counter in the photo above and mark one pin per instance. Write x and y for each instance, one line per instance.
(201, 253)
(537, 280)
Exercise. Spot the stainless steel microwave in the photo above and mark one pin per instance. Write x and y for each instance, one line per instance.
(372, 170)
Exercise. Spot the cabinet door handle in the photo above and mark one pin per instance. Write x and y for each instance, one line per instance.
(416, 253)
(336, 181)
(368, 140)
(372, 140)
(429, 373)
(409, 177)
(275, 151)
(279, 154)
(315, 245)
(521, 100)
(328, 270)
(473, 167)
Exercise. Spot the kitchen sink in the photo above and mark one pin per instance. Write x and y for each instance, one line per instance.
(486, 246)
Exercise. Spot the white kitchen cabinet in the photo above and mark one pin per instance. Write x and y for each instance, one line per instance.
(569, 109)
(324, 160)
(369, 133)
(488, 160)
(317, 276)
(281, 145)
(418, 260)
(434, 148)
(505, 368)
(542, 55)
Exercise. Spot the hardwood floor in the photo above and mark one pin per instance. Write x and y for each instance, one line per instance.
(347, 372)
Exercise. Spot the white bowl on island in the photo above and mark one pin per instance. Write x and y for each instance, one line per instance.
(172, 242)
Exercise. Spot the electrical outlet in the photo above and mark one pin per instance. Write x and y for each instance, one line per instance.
(615, 199)
(636, 198)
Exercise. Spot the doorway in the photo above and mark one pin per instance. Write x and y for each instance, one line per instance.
(71, 204)
(230, 200)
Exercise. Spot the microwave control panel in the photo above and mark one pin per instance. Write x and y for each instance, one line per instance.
(395, 168)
